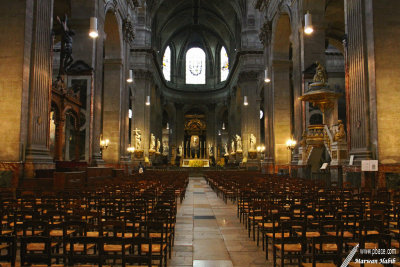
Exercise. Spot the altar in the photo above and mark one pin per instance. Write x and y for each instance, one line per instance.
(195, 163)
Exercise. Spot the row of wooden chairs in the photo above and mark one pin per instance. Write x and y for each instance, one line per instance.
(266, 204)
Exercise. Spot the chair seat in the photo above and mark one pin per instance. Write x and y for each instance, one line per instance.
(155, 235)
(154, 247)
(393, 223)
(6, 232)
(3, 246)
(29, 233)
(326, 247)
(309, 234)
(367, 245)
(59, 233)
(80, 247)
(277, 235)
(290, 247)
(131, 225)
(127, 235)
(346, 234)
(267, 225)
(395, 231)
(38, 246)
(92, 234)
(256, 218)
(115, 248)
(319, 264)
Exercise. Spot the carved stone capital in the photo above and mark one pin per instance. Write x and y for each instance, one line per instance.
(128, 30)
(265, 33)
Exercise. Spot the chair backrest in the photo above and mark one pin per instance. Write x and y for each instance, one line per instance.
(40, 255)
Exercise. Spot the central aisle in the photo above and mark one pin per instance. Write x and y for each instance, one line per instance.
(209, 234)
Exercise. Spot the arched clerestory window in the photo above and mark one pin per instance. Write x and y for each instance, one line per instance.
(167, 64)
(224, 59)
(195, 66)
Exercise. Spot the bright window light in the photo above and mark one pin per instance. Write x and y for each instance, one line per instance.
(224, 64)
(195, 66)
(167, 64)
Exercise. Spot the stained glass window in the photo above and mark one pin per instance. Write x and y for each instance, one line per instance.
(167, 64)
(195, 66)
(224, 64)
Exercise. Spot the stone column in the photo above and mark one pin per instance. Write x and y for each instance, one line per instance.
(358, 122)
(112, 109)
(37, 152)
(143, 85)
(250, 121)
(211, 129)
(281, 110)
(179, 127)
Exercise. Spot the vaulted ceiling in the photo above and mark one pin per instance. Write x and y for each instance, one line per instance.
(200, 23)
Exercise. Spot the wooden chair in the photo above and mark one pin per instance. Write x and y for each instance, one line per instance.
(325, 248)
(8, 244)
(289, 245)
(83, 250)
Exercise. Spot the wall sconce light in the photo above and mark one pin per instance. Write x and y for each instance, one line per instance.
(261, 148)
(219, 132)
(308, 27)
(130, 77)
(104, 143)
(148, 100)
(93, 33)
(266, 78)
(245, 102)
(290, 144)
(167, 126)
(130, 149)
(223, 126)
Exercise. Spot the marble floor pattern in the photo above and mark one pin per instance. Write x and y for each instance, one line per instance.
(209, 234)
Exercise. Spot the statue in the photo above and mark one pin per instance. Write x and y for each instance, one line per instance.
(158, 146)
(180, 150)
(320, 75)
(165, 147)
(226, 149)
(252, 142)
(138, 138)
(210, 150)
(238, 143)
(152, 142)
(340, 135)
(66, 46)
(233, 146)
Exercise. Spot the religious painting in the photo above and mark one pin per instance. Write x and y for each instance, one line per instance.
(194, 141)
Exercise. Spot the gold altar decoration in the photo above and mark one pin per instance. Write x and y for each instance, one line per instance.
(253, 154)
(138, 154)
